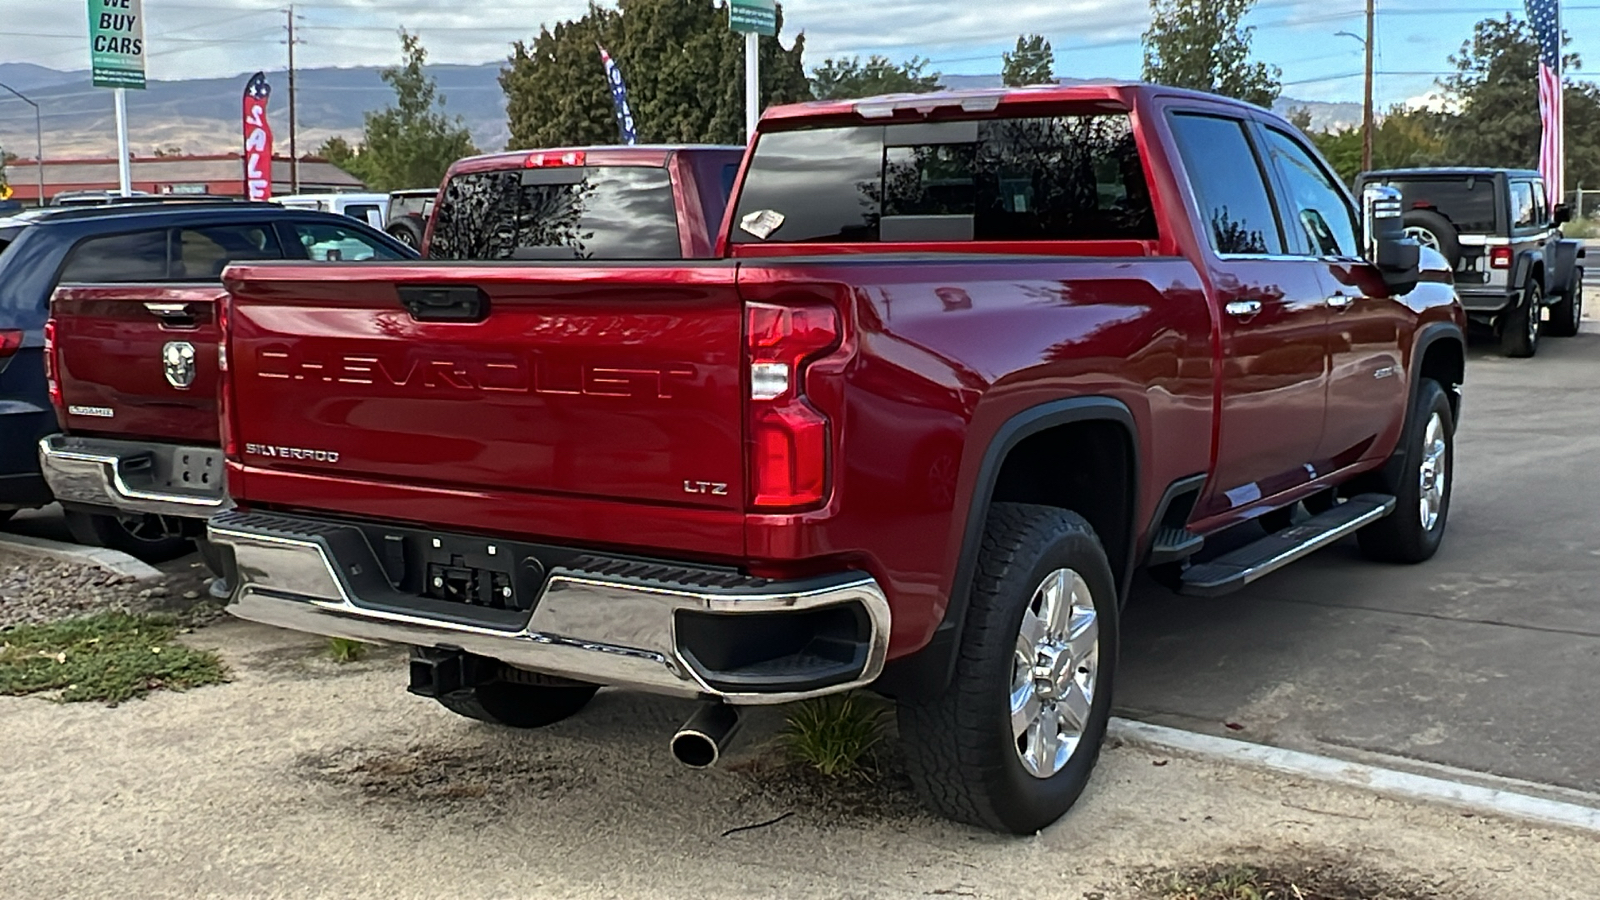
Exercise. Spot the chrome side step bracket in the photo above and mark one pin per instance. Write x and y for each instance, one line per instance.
(1234, 570)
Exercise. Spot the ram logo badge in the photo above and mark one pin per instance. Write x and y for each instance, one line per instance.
(705, 488)
(177, 358)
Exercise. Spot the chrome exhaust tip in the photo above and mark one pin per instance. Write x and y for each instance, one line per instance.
(702, 740)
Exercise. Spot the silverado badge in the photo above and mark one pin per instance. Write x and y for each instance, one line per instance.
(177, 357)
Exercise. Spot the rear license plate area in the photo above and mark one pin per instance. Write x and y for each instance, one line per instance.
(471, 572)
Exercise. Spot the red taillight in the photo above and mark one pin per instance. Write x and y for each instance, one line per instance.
(1500, 257)
(10, 342)
(52, 367)
(555, 160)
(230, 440)
(789, 438)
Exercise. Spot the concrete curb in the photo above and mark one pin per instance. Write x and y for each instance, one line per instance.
(114, 561)
(1470, 797)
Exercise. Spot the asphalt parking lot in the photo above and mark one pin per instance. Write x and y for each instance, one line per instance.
(1486, 658)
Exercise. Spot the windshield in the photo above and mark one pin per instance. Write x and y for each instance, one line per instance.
(1469, 203)
(599, 213)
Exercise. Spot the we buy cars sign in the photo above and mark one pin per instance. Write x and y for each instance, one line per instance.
(116, 43)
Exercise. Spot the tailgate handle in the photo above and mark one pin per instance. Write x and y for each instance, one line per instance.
(175, 315)
(445, 304)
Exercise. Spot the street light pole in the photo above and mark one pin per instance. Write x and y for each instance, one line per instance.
(38, 137)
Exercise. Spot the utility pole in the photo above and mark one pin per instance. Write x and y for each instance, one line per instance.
(294, 125)
(38, 137)
(1367, 117)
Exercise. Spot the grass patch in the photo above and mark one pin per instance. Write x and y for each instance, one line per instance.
(834, 735)
(108, 657)
(1325, 881)
(344, 650)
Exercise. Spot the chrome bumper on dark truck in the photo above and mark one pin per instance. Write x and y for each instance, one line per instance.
(655, 626)
(135, 476)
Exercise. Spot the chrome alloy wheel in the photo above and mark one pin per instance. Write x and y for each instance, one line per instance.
(1423, 236)
(1054, 673)
(1434, 473)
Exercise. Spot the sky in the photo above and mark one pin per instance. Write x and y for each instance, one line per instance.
(1091, 38)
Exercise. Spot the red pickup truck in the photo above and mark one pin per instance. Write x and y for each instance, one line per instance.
(966, 361)
(133, 345)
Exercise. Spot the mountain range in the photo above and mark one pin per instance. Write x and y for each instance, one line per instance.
(202, 115)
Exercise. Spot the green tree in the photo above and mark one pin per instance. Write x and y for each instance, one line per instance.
(413, 142)
(1404, 138)
(1496, 88)
(338, 151)
(1033, 62)
(6, 157)
(683, 66)
(1201, 44)
(848, 78)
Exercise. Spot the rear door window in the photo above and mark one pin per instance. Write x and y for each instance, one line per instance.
(365, 212)
(200, 254)
(594, 213)
(324, 242)
(1074, 177)
(1228, 184)
(138, 256)
(1523, 212)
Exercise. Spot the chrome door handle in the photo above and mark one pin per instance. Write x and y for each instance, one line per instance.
(1340, 301)
(1243, 309)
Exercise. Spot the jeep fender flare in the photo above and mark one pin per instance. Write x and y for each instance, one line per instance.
(927, 672)
(1561, 265)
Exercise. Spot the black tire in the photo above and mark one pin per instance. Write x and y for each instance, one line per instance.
(1566, 317)
(961, 750)
(1405, 536)
(1420, 222)
(407, 232)
(150, 538)
(520, 700)
(1519, 328)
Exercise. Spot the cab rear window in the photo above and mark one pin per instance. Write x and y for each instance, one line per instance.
(594, 213)
(1076, 177)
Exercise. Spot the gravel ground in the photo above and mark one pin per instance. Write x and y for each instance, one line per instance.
(303, 778)
(37, 589)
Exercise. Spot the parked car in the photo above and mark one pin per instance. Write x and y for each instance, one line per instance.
(93, 198)
(965, 362)
(367, 208)
(407, 217)
(1513, 269)
(595, 203)
(131, 347)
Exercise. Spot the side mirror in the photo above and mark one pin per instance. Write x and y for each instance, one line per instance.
(1398, 257)
(1562, 214)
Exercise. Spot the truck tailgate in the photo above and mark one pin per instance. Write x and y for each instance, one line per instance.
(617, 383)
(142, 358)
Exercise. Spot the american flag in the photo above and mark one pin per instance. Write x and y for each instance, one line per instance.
(1545, 15)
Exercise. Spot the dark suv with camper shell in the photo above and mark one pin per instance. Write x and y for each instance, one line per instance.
(1514, 271)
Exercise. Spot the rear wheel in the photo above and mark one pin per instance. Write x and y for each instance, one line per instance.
(1413, 532)
(1012, 741)
(150, 538)
(519, 700)
(1566, 317)
(1519, 331)
(406, 232)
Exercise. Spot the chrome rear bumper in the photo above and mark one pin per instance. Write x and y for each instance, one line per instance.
(610, 629)
(135, 476)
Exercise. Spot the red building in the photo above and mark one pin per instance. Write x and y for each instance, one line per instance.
(222, 174)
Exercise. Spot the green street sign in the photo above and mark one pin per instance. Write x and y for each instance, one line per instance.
(753, 16)
(116, 43)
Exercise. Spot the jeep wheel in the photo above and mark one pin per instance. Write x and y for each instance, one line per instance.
(150, 538)
(519, 699)
(1012, 741)
(1519, 330)
(1566, 317)
(1435, 232)
(1413, 532)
